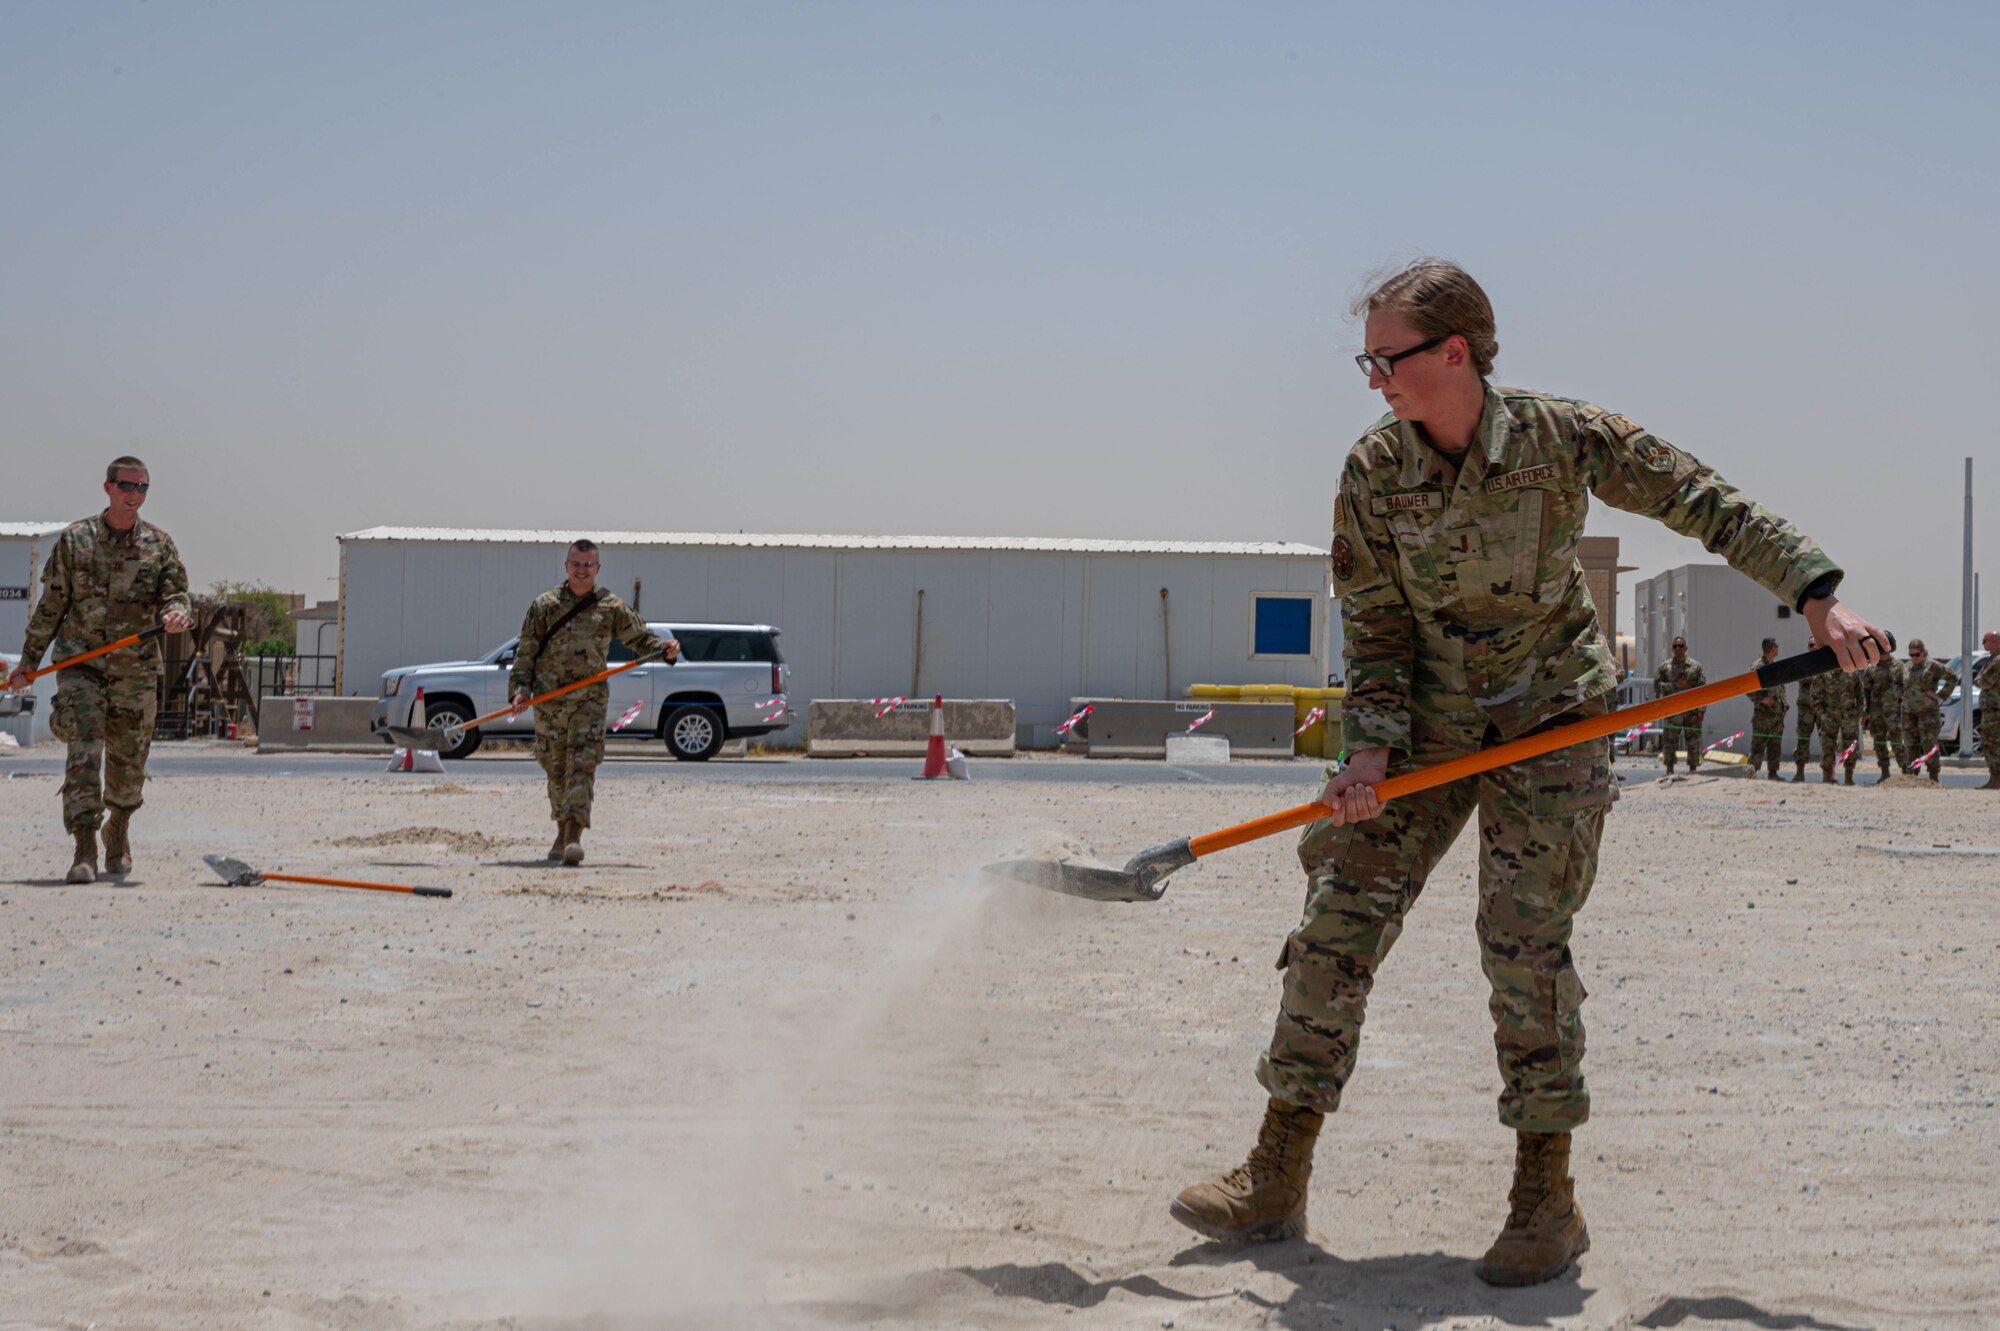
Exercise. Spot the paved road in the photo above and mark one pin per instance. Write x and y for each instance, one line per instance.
(197, 759)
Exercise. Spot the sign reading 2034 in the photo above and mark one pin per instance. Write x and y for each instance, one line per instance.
(13, 593)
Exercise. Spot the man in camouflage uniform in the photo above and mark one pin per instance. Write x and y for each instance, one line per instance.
(1809, 719)
(1882, 712)
(1678, 674)
(1838, 704)
(1987, 680)
(1767, 717)
(1468, 622)
(1926, 684)
(565, 637)
(107, 576)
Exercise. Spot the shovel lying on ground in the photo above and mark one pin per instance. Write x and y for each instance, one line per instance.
(129, 640)
(238, 874)
(1144, 876)
(443, 737)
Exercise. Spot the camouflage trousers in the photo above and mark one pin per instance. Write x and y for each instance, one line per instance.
(1539, 826)
(108, 724)
(1809, 721)
(1920, 734)
(1838, 734)
(1683, 732)
(1767, 734)
(1887, 735)
(569, 744)
(1989, 744)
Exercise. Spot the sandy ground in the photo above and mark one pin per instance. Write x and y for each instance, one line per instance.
(777, 1057)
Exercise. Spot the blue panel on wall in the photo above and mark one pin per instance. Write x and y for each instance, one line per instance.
(1284, 626)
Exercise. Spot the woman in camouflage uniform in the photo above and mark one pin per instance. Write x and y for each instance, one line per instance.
(1467, 623)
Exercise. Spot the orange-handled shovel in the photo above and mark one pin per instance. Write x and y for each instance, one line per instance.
(238, 874)
(130, 639)
(1144, 876)
(440, 737)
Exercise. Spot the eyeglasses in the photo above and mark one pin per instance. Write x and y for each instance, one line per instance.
(133, 487)
(1386, 365)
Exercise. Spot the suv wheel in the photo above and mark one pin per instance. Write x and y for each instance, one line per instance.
(694, 732)
(452, 712)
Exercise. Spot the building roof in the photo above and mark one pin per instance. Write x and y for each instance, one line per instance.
(31, 528)
(1021, 544)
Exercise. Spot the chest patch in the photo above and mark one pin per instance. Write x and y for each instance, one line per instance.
(1514, 480)
(1620, 427)
(1409, 501)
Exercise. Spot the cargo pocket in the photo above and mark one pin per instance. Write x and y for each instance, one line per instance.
(62, 716)
(1576, 787)
(1570, 994)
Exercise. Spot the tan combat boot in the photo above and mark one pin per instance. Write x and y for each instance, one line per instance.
(1848, 777)
(1544, 1232)
(1992, 782)
(1932, 770)
(117, 842)
(1262, 1200)
(84, 869)
(572, 838)
(1800, 773)
(562, 840)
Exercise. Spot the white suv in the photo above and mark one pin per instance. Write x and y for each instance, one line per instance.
(728, 684)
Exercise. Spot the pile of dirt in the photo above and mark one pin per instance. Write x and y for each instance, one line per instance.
(464, 843)
(1911, 782)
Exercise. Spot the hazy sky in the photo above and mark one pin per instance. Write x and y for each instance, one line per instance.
(1065, 269)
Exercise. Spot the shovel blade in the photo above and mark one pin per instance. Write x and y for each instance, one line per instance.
(234, 872)
(436, 737)
(1076, 880)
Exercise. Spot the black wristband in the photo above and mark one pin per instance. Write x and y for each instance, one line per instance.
(1819, 591)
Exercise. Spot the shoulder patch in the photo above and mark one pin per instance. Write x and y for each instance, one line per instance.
(1620, 426)
(1655, 455)
(1514, 480)
(1343, 559)
(1339, 511)
(1408, 500)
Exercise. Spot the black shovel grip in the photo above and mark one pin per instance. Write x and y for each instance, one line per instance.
(432, 891)
(1805, 665)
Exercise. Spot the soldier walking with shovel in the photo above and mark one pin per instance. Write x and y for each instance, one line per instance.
(566, 637)
(109, 577)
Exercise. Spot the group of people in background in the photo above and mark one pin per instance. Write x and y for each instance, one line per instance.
(1899, 704)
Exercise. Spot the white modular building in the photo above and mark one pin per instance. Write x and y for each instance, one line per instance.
(24, 548)
(1038, 621)
(1725, 618)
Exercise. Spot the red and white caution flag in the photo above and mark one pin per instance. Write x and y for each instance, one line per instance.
(631, 715)
(1312, 716)
(1201, 720)
(1927, 757)
(1071, 724)
(1724, 743)
(887, 705)
(781, 705)
(1848, 752)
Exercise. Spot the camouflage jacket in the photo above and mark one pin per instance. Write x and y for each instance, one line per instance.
(1882, 690)
(580, 647)
(100, 584)
(1928, 684)
(1766, 700)
(1837, 696)
(1468, 586)
(1671, 678)
(1987, 678)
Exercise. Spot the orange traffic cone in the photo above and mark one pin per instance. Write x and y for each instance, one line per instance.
(934, 755)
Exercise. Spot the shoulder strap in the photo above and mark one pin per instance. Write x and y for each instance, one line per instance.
(583, 603)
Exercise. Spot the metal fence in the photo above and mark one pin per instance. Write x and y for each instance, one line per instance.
(287, 676)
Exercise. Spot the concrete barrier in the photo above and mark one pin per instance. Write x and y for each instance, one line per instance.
(287, 724)
(1138, 727)
(848, 727)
